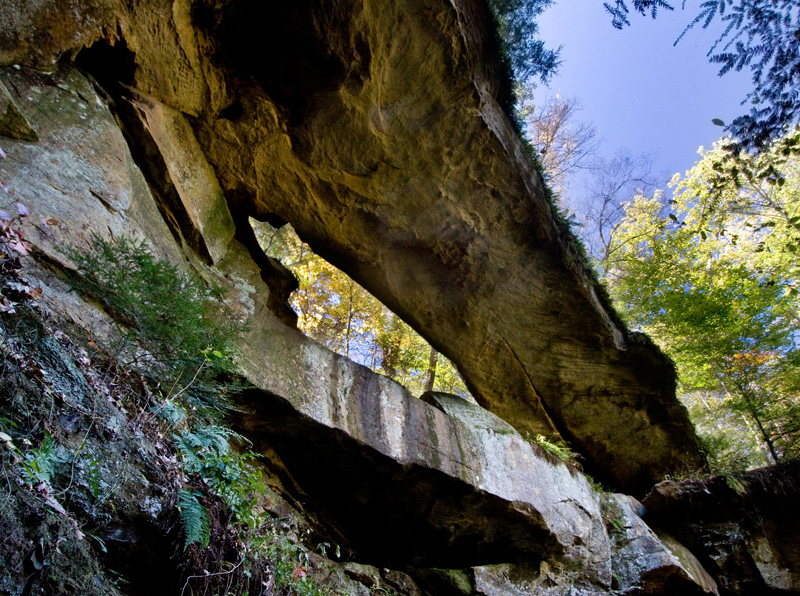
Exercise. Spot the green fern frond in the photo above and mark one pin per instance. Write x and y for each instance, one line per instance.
(196, 527)
(40, 464)
(215, 438)
(189, 452)
(170, 412)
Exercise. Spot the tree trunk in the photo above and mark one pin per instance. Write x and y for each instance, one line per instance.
(349, 322)
(434, 359)
(752, 409)
(765, 435)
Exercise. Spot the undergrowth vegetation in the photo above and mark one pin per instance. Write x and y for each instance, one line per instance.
(168, 329)
(557, 447)
(133, 433)
(186, 353)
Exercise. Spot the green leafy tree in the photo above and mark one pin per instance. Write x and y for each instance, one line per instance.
(711, 276)
(608, 184)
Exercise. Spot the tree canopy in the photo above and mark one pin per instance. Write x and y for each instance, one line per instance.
(711, 275)
(527, 54)
(759, 35)
(337, 312)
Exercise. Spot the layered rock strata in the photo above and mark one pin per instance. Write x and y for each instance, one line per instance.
(374, 128)
(399, 482)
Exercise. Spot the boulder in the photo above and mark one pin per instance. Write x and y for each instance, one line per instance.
(744, 526)
(649, 561)
(79, 179)
(384, 464)
(467, 412)
(12, 123)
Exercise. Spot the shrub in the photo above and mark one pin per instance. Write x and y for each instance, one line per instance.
(184, 346)
(186, 355)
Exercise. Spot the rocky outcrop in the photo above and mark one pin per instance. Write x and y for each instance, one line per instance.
(405, 486)
(186, 126)
(374, 129)
(650, 561)
(743, 527)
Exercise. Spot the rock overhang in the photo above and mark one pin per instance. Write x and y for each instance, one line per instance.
(465, 485)
(374, 128)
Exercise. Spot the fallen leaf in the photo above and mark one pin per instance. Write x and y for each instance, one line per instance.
(299, 572)
(17, 246)
(55, 505)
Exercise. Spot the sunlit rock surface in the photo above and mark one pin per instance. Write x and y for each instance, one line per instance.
(452, 485)
(374, 128)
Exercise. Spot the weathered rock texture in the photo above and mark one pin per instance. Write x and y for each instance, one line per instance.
(401, 484)
(373, 127)
(743, 528)
(323, 114)
(647, 561)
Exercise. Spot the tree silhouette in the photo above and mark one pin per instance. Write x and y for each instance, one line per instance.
(516, 20)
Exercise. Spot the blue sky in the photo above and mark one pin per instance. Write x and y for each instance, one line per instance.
(640, 92)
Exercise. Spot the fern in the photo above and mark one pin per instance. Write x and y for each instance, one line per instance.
(39, 464)
(206, 451)
(170, 412)
(196, 527)
(204, 443)
(191, 458)
(556, 447)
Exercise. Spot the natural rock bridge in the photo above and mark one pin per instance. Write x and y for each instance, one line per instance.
(325, 114)
(378, 130)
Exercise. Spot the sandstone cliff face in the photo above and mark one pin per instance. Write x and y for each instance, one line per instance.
(432, 497)
(374, 129)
